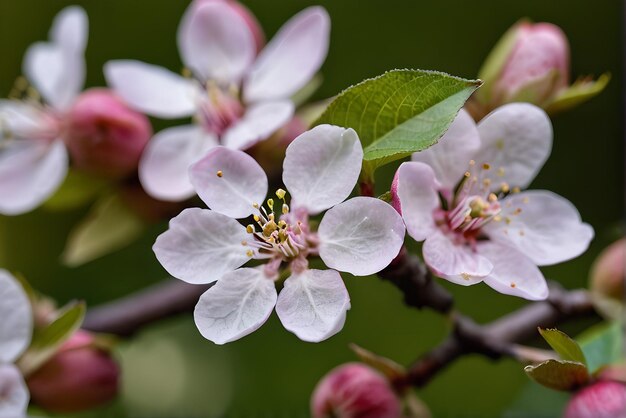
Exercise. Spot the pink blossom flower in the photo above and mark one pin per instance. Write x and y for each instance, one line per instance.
(602, 399)
(360, 236)
(235, 97)
(462, 198)
(15, 335)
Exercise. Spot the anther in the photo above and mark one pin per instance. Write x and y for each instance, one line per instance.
(270, 203)
(486, 166)
(516, 189)
(244, 242)
(285, 209)
(250, 229)
(249, 253)
(255, 205)
(504, 187)
(220, 173)
(280, 193)
(256, 218)
(493, 197)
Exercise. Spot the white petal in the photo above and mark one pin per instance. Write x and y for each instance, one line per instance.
(235, 306)
(15, 397)
(417, 193)
(28, 121)
(313, 304)
(291, 59)
(258, 123)
(216, 43)
(513, 273)
(517, 138)
(547, 228)
(16, 326)
(70, 29)
(200, 246)
(30, 172)
(322, 166)
(449, 158)
(229, 182)
(164, 165)
(360, 236)
(152, 89)
(456, 263)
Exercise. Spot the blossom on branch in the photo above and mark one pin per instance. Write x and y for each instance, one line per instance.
(360, 236)
(463, 198)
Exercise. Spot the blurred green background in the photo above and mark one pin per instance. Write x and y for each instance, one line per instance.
(169, 370)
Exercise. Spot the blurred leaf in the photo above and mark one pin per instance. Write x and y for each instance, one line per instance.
(77, 190)
(565, 347)
(46, 341)
(559, 375)
(387, 367)
(582, 90)
(399, 112)
(109, 226)
(602, 345)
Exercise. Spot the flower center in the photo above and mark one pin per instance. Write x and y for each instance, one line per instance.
(220, 108)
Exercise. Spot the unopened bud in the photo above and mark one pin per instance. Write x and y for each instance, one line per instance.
(607, 279)
(603, 399)
(79, 376)
(354, 390)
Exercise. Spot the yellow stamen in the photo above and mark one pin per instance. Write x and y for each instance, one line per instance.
(249, 253)
(486, 166)
(285, 209)
(250, 229)
(280, 193)
(220, 173)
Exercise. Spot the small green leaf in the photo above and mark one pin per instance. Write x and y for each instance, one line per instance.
(399, 112)
(565, 347)
(77, 190)
(602, 345)
(582, 90)
(46, 341)
(559, 375)
(109, 226)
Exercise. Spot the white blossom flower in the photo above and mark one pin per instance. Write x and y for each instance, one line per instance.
(360, 236)
(235, 98)
(15, 335)
(33, 157)
(462, 198)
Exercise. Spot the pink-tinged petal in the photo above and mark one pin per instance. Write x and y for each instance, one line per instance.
(229, 182)
(416, 191)
(15, 397)
(360, 236)
(16, 327)
(449, 158)
(25, 120)
(292, 57)
(543, 225)
(216, 43)
(457, 263)
(237, 305)
(313, 304)
(152, 89)
(258, 123)
(70, 29)
(30, 172)
(322, 166)
(201, 246)
(516, 140)
(513, 273)
(164, 165)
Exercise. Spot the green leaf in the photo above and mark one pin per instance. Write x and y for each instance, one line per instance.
(582, 90)
(46, 341)
(565, 347)
(559, 375)
(109, 226)
(602, 345)
(77, 190)
(399, 112)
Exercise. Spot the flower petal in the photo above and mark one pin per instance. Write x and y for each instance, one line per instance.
(360, 236)
(513, 273)
(516, 138)
(229, 182)
(542, 225)
(14, 391)
(237, 305)
(152, 89)
(291, 59)
(216, 43)
(16, 327)
(71, 29)
(417, 193)
(313, 304)
(164, 165)
(201, 246)
(456, 263)
(25, 120)
(258, 123)
(30, 172)
(449, 158)
(322, 166)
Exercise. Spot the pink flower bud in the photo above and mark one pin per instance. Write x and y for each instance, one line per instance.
(608, 271)
(79, 376)
(603, 399)
(537, 66)
(354, 390)
(104, 135)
